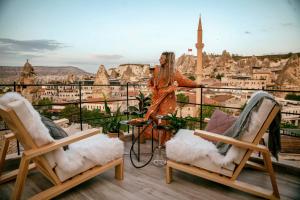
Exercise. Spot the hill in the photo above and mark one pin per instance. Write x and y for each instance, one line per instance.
(10, 74)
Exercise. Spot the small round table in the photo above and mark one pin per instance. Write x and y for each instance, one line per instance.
(137, 139)
(160, 157)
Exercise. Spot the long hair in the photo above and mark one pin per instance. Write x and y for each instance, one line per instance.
(166, 73)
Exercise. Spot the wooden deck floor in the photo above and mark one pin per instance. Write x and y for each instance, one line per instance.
(148, 183)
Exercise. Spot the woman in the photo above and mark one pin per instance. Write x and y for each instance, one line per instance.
(163, 85)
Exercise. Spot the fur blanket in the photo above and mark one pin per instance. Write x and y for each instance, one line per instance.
(99, 148)
(186, 147)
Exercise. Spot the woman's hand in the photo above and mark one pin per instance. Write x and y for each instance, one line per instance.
(199, 85)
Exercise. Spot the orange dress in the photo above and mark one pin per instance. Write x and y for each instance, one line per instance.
(163, 100)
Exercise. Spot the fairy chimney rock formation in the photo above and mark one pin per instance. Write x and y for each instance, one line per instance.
(101, 78)
(28, 77)
(71, 78)
(114, 74)
(128, 75)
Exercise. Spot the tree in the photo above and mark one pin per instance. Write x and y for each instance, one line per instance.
(288, 125)
(182, 101)
(71, 112)
(293, 97)
(207, 111)
(92, 117)
(219, 76)
(45, 105)
(192, 77)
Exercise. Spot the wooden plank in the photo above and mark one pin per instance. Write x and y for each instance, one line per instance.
(290, 144)
(46, 170)
(221, 138)
(3, 151)
(255, 165)
(60, 143)
(169, 173)
(268, 163)
(21, 177)
(10, 136)
(252, 189)
(13, 174)
(119, 171)
(58, 189)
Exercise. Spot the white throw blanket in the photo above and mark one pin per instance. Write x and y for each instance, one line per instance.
(186, 147)
(99, 148)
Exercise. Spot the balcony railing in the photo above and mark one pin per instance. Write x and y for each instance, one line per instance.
(80, 101)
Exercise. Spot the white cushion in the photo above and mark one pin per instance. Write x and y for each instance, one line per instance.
(187, 148)
(64, 175)
(87, 153)
(31, 121)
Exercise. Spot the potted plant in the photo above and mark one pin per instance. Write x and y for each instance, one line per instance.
(111, 123)
(175, 123)
(142, 107)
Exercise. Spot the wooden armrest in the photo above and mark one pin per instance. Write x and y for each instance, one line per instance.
(60, 122)
(228, 140)
(60, 143)
(10, 136)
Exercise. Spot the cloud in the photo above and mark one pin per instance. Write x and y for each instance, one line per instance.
(295, 4)
(28, 47)
(287, 24)
(108, 56)
(247, 32)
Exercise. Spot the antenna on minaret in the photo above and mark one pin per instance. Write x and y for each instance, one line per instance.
(200, 23)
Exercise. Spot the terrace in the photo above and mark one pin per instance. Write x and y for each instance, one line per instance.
(149, 181)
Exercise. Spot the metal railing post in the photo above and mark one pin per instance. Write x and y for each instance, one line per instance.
(80, 110)
(127, 99)
(15, 86)
(18, 144)
(127, 104)
(201, 90)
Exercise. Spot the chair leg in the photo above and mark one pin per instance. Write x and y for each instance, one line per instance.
(23, 170)
(5, 144)
(169, 171)
(269, 167)
(119, 171)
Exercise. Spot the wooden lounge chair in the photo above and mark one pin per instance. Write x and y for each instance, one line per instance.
(34, 157)
(228, 175)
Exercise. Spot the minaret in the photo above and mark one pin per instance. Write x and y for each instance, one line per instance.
(199, 46)
(199, 67)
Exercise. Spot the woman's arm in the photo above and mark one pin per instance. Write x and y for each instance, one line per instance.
(184, 81)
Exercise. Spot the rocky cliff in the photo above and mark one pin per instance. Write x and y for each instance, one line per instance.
(290, 74)
(186, 64)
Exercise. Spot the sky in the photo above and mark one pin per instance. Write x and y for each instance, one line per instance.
(86, 33)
